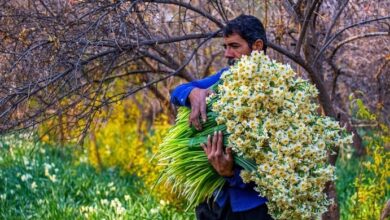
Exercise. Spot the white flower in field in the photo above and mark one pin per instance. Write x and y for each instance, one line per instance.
(47, 165)
(26, 161)
(42, 150)
(115, 202)
(127, 197)
(104, 202)
(53, 178)
(26, 177)
(117, 206)
(83, 159)
(154, 211)
(163, 203)
(110, 184)
(120, 210)
(47, 168)
(3, 196)
(88, 210)
(33, 185)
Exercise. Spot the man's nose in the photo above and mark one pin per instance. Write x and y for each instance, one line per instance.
(229, 53)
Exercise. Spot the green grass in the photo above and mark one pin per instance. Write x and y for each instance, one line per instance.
(39, 181)
(346, 172)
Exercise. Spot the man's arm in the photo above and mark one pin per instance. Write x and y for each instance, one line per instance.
(194, 95)
(179, 95)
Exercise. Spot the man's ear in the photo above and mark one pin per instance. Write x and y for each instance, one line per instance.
(258, 45)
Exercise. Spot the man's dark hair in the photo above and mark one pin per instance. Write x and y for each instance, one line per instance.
(249, 28)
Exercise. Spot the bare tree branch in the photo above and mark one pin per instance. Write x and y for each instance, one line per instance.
(357, 37)
(308, 14)
(190, 7)
(335, 18)
(324, 47)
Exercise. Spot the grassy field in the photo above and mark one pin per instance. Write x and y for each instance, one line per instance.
(39, 181)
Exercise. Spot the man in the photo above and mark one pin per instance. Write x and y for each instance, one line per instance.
(237, 200)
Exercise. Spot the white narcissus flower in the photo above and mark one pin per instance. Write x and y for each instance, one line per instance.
(34, 185)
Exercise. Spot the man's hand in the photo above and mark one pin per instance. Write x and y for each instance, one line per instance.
(197, 99)
(220, 160)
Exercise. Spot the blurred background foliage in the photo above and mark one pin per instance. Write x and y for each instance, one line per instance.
(363, 182)
(125, 136)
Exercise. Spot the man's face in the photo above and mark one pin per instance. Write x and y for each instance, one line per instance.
(235, 46)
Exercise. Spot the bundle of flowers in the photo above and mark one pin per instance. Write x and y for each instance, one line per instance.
(269, 118)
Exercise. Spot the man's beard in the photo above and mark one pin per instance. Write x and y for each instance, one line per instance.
(231, 61)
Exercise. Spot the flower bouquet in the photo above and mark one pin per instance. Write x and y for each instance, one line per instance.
(269, 117)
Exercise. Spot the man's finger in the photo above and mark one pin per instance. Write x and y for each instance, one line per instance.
(194, 118)
(208, 144)
(214, 143)
(191, 116)
(197, 124)
(203, 110)
(204, 148)
(209, 92)
(219, 144)
(229, 154)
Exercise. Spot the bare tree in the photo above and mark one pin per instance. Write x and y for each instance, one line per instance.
(65, 57)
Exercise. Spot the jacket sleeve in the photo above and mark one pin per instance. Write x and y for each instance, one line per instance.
(179, 96)
(236, 180)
